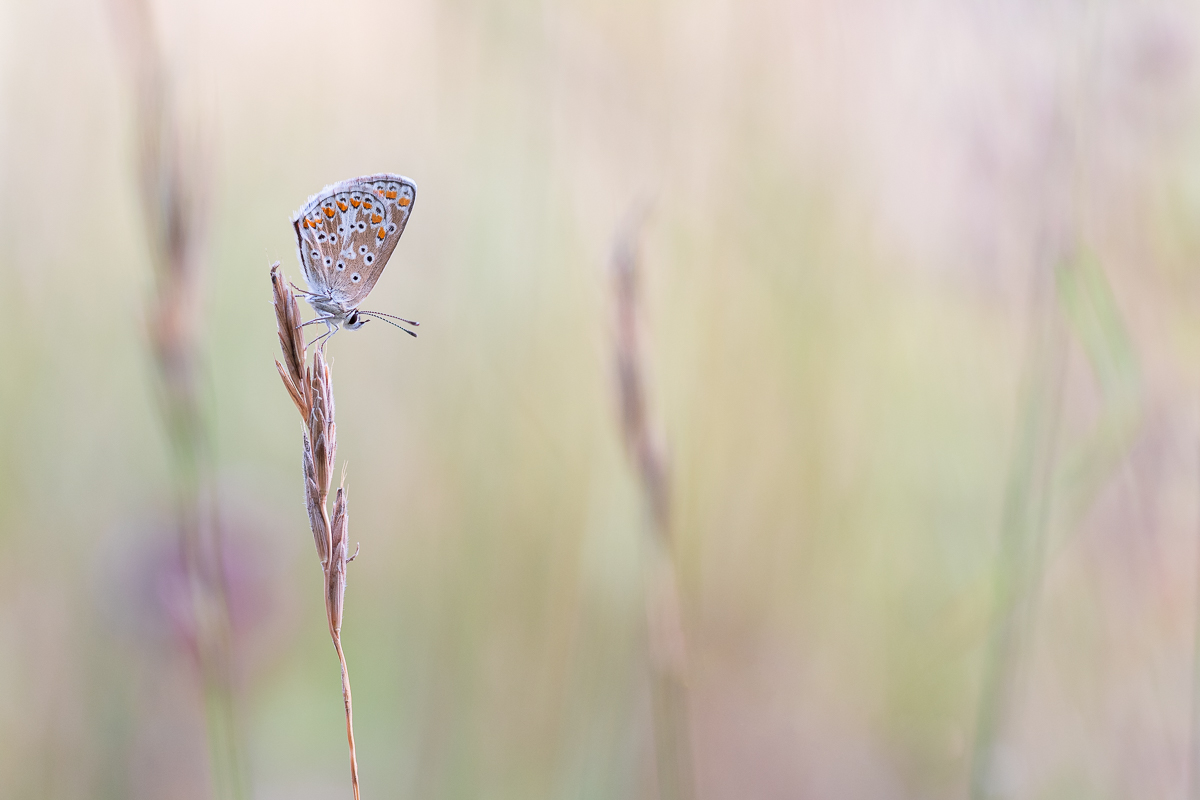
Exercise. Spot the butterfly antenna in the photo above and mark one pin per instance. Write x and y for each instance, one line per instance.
(392, 316)
(389, 322)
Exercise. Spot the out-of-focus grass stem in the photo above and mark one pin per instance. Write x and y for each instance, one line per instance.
(1193, 774)
(668, 653)
(1022, 539)
(1073, 302)
(174, 192)
(1078, 306)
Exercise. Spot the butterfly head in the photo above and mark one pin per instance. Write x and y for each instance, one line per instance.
(354, 321)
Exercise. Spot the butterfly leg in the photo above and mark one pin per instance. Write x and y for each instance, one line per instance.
(324, 336)
(315, 319)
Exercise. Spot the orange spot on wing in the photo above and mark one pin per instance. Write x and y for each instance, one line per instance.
(390, 194)
(306, 222)
(356, 203)
(366, 203)
(328, 211)
(403, 201)
(381, 233)
(341, 205)
(376, 219)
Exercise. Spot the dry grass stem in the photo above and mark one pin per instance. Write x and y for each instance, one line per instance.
(311, 390)
(667, 643)
(291, 341)
(647, 452)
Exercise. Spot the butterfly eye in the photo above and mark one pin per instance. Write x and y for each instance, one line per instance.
(369, 258)
(356, 277)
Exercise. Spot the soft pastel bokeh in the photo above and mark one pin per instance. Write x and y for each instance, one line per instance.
(922, 326)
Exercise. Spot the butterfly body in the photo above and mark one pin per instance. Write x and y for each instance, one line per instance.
(345, 235)
(335, 314)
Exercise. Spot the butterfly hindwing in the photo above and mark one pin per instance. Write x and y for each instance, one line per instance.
(377, 211)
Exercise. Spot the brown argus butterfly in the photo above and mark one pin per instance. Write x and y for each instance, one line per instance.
(346, 233)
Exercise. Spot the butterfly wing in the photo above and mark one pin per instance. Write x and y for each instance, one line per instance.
(347, 232)
(317, 239)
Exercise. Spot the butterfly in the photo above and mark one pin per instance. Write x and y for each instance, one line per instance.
(345, 234)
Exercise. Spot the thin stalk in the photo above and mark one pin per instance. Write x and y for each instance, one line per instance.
(1022, 539)
(337, 643)
(1194, 732)
(664, 620)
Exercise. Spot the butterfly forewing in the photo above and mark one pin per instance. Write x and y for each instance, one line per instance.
(347, 232)
(313, 241)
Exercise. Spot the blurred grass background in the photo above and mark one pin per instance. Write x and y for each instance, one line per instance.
(851, 204)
